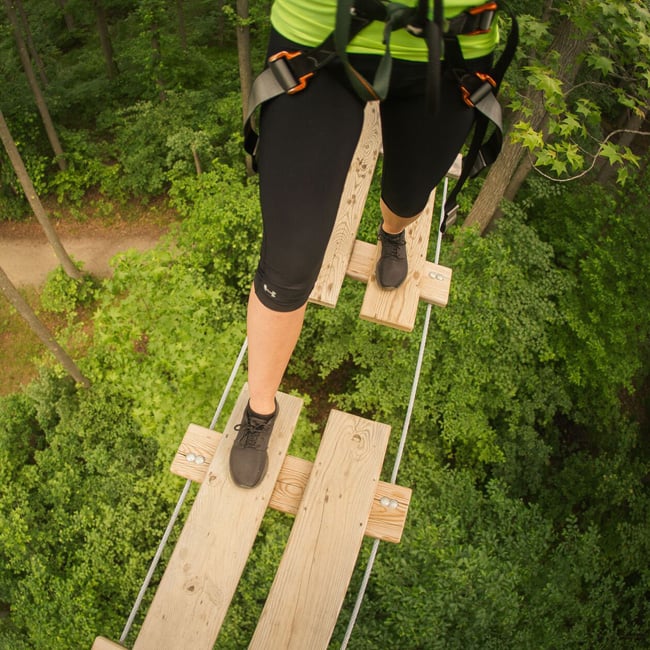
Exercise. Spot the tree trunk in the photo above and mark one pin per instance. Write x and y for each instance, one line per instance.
(501, 178)
(221, 24)
(105, 39)
(182, 30)
(244, 53)
(631, 127)
(245, 65)
(157, 61)
(34, 201)
(23, 308)
(67, 16)
(30, 42)
(197, 161)
(38, 94)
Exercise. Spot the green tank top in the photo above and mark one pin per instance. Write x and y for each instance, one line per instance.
(309, 22)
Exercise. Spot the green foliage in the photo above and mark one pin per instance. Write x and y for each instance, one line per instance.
(63, 294)
(155, 141)
(82, 506)
(221, 232)
(166, 99)
(12, 202)
(601, 239)
(609, 82)
(85, 169)
(479, 569)
(167, 338)
(140, 147)
(21, 437)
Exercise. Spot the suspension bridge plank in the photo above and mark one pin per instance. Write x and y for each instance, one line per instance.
(311, 582)
(389, 507)
(208, 560)
(435, 282)
(353, 199)
(398, 308)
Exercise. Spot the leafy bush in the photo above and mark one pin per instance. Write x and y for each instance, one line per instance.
(166, 336)
(86, 168)
(84, 505)
(477, 569)
(601, 238)
(222, 229)
(63, 294)
(154, 140)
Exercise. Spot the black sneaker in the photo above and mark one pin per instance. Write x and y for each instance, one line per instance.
(392, 266)
(248, 457)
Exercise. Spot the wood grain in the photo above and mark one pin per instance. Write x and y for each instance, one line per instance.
(312, 579)
(389, 507)
(205, 567)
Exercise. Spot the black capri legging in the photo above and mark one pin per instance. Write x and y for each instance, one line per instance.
(307, 141)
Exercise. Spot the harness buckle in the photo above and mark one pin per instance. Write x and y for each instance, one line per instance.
(450, 217)
(474, 21)
(485, 15)
(472, 92)
(284, 74)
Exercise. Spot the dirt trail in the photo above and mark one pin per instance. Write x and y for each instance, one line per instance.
(27, 257)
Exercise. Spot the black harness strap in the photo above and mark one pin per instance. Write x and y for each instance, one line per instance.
(433, 35)
(479, 91)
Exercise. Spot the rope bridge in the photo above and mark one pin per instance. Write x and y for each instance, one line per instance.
(336, 500)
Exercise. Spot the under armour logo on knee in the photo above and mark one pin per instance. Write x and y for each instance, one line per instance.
(273, 294)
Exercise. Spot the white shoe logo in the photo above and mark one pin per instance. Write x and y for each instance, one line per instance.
(273, 294)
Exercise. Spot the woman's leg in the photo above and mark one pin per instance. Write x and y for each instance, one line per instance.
(272, 336)
(306, 144)
(419, 148)
(392, 223)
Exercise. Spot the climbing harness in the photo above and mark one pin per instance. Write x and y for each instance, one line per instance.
(290, 72)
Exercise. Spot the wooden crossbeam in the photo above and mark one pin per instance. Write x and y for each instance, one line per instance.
(398, 308)
(389, 507)
(209, 558)
(311, 582)
(434, 281)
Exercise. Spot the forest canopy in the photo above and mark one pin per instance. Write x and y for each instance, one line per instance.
(529, 451)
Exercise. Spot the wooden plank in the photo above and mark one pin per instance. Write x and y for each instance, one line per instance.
(435, 282)
(353, 199)
(312, 579)
(104, 644)
(208, 560)
(398, 308)
(389, 507)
